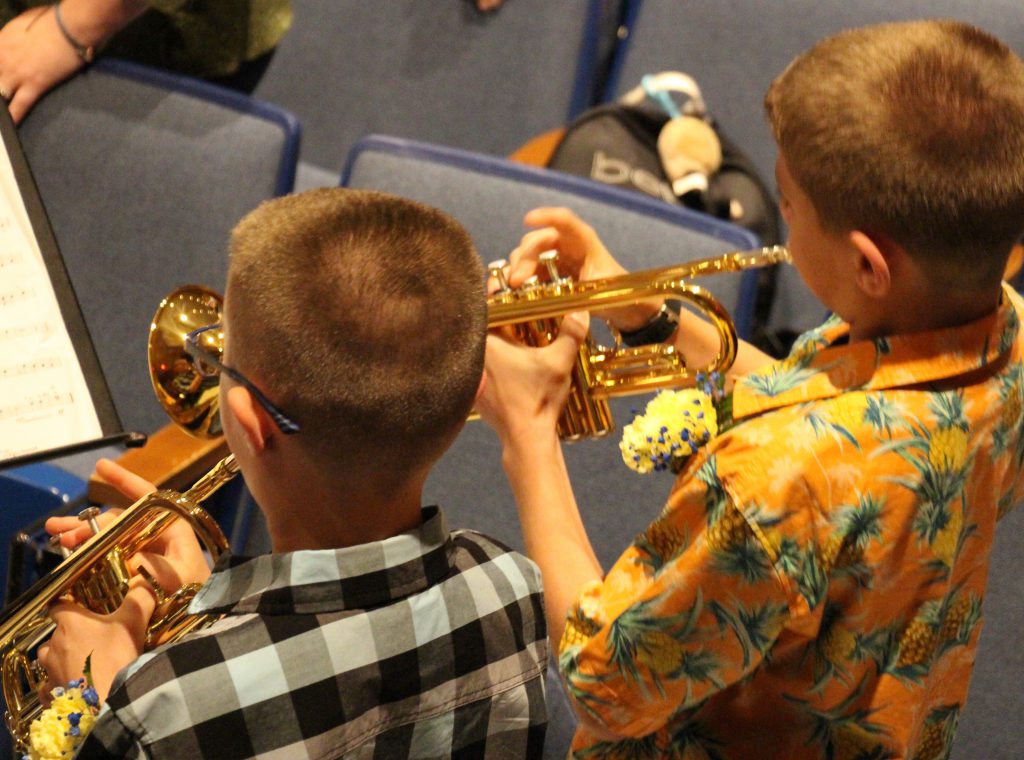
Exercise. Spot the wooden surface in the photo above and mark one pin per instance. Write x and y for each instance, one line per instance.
(538, 151)
(170, 459)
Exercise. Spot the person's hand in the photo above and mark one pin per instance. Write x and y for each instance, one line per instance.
(34, 56)
(581, 254)
(174, 558)
(110, 641)
(525, 388)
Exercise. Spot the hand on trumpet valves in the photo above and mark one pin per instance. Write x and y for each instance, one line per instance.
(109, 641)
(174, 558)
(525, 388)
(581, 256)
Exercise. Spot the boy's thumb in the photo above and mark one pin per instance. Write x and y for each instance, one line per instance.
(576, 325)
(571, 333)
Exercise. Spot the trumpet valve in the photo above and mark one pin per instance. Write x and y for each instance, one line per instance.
(497, 270)
(89, 515)
(550, 261)
(56, 545)
(104, 585)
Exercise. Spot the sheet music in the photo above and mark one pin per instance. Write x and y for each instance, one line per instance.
(44, 399)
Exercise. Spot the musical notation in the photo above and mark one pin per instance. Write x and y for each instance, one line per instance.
(44, 402)
(15, 295)
(37, 330)
(44, 399)
(31, 367)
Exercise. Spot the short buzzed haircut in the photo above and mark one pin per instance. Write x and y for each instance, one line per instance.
(914, 130)
(363, 316)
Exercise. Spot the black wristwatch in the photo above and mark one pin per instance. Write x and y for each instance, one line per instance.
(657, 330)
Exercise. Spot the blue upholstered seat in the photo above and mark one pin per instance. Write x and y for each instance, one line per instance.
(441, 71)
(143, 174)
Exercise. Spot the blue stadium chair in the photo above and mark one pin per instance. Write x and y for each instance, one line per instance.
(442, 72)
(28, 492)
(489, 196)
(143, 174)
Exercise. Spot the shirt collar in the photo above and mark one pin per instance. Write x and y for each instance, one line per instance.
(330, 580)
(818, 368)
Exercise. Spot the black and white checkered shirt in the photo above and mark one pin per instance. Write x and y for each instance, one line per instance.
(424, 645)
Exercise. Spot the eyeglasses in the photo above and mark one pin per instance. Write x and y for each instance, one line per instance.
(209, 364)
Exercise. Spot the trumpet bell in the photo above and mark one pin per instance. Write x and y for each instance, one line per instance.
(189, 396)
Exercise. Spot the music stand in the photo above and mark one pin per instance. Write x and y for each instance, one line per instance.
(54, 398)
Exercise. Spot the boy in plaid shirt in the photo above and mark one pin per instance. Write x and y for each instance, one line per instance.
(371, 630)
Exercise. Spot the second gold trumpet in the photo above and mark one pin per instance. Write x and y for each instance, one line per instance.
(533, 313)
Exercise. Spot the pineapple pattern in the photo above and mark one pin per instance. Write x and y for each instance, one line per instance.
(659, 544)
(917, 644)
(937, 737)
(819, 569)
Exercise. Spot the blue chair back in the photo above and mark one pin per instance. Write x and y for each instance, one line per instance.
(143, 174)
(26, 494)
(442, 72)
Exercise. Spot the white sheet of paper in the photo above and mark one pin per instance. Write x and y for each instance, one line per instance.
(44, 400)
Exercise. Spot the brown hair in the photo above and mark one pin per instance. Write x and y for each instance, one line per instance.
(914, 130)
(363, 317)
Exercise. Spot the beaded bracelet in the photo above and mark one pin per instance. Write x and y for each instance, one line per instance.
(85, 52)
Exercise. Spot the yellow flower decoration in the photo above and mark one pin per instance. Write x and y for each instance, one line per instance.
(673, 426)
(63, 726)
(947, 450)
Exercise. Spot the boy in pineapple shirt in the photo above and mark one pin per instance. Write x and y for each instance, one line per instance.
(813, 587)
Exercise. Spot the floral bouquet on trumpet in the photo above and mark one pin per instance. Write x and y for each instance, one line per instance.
(63, 726)
(674, 425)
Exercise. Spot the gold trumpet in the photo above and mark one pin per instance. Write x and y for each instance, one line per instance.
(96, 574)
(534, 311)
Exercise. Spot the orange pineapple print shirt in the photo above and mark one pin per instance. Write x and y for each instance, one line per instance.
(814, 586)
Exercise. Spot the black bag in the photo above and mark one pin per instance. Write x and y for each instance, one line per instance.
(617, 144)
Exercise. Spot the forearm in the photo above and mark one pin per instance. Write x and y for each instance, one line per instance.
(695, 338)
(553, 531)
(699, 343)
(92, 22)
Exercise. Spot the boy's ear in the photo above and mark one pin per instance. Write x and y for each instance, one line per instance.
(874, 264)
(253, 420)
